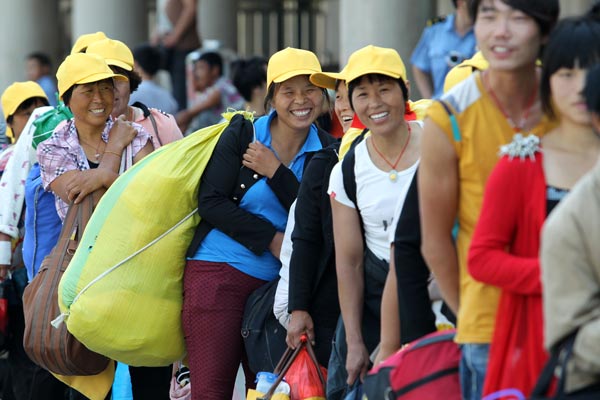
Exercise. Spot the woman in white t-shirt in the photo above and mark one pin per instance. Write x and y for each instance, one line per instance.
(383, 165)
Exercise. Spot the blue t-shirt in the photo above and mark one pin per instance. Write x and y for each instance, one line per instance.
(441, 48)
(42, 223)
(261, 201)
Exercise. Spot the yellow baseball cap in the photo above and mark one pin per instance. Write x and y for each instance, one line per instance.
(291, 62)
(462, 71)
(374, 60)
(328, 80)
(14, 95)
(80, 68)
(85, 40)
(114, 53)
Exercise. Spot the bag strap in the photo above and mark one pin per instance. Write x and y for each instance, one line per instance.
(286, 361)
(281, 369)
(559, 356)
(455, 128)
(75, 223)
(348, 169)
(148, 114)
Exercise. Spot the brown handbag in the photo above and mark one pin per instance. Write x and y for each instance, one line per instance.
(55, 349)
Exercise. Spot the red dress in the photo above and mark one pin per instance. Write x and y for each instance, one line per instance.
(505, 252)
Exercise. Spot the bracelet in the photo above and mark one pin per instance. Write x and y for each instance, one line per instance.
(5, 252)
(112, 152)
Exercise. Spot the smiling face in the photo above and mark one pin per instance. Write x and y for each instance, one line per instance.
(297, 102)
(92, 103)
(379, 104)
(342, 106)
(568, 103)
(508, 38)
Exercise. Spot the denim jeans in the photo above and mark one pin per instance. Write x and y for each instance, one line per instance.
(473, 365)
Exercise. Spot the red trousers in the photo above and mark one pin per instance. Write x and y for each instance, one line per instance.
(214, 297)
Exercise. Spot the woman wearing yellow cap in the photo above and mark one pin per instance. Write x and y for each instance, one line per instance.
(244, 198)
(19, 100)
(118, 56)
(85, 154)
(366, 189)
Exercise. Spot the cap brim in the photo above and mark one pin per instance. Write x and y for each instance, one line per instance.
(326, 80)
(95, 78)
(101, 77)
(291, 74)
(120, 64)
(357, 75)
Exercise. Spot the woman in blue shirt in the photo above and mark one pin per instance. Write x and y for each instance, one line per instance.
(244, 198)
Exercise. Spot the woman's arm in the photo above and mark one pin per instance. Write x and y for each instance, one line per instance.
(438, 200)
(215, 204)
(308, 253)
(390, 315)
(350, 272)
(490, 260)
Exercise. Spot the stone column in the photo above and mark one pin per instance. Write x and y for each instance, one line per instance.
(27, 26)
(385, 23)
(574, 7)
(217, 20)
(126, 21)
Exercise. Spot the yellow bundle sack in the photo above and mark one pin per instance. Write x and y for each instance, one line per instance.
(121, 295)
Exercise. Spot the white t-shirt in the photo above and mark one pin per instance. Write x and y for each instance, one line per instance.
(376, 195)
(280, 305)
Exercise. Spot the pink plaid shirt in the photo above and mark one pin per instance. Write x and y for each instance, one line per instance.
(62, 153)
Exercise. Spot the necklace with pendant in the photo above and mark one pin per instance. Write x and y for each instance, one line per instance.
(96, 150)
(517, 128)
(393, 174)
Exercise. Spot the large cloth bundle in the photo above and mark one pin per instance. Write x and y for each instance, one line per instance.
(121, 295)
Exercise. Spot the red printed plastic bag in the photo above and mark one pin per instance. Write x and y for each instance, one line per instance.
(306, 377)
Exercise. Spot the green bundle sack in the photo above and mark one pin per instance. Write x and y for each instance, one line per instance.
(122, 293)
(45, 124)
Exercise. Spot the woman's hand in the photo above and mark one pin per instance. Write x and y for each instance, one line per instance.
(300, 323)
(357, 362)
(85, 182)
(261, 159)
(121, 134)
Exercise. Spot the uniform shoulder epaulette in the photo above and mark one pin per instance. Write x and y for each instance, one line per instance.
(436, 20)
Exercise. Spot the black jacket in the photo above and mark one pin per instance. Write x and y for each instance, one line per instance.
(412, 274)
(225, 181)
(312, 283)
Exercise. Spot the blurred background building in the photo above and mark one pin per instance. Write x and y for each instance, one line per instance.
(331, 28)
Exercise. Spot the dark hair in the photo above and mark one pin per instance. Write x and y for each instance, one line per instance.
(213, 59)
(148, 57)
(66, 97)
(248, 75)
(544, 12)
(25, 105)
(591, 92)
(454, 2)
(271, 94)
(376, 78)
(41, 58)
(574, 41)
(134, 78)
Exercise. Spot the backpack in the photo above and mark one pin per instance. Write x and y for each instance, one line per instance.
(426, 368)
